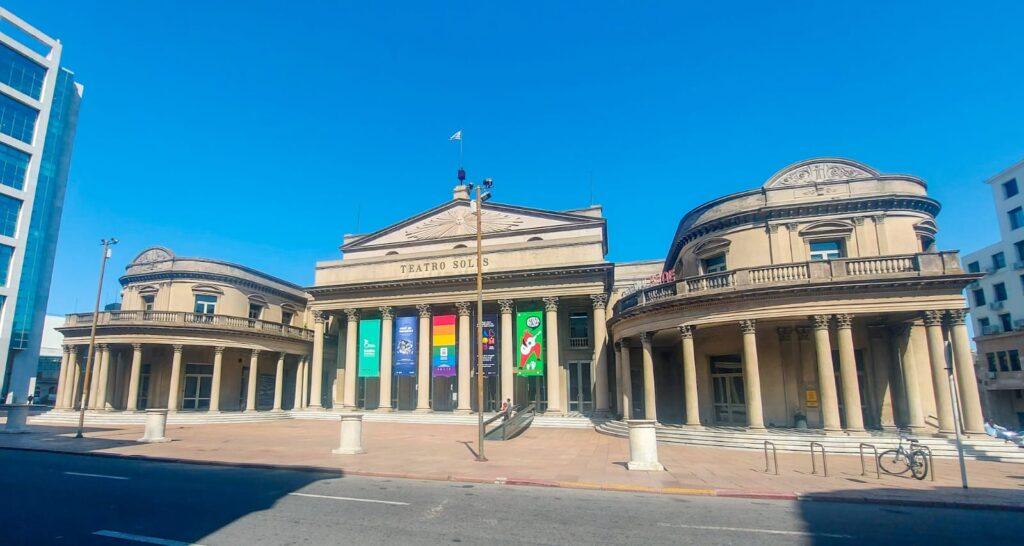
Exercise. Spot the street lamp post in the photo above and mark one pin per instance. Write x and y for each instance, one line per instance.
(107, 243)
(480, 198)
(956, 413)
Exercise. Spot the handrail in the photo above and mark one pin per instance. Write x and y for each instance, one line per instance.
(186, 318)
(775, 455)
(824, 464)
(863, 471)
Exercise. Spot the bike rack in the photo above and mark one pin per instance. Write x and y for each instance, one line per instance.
(863, 471)
(931, 462)
(775, 455)
(824, 465)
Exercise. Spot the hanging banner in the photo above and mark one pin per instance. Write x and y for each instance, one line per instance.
(530, 333)
(444, 362)
(369, 348)
(405, 346)
(489, 339)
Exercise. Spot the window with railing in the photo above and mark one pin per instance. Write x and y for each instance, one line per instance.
(286, 318)
(579, 331)
(206, 304)
(714, 264)
(826, 250)
(255, 311)
(148, 302)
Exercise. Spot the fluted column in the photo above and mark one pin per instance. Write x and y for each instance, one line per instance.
(423, 360)
(62, 377)
(690, 377)
(911, 385)
(71, 389)
(279, 382)
(600, 359)
(174, 389)
(848, 373)
(464, 358)
(386, 339)
(508, 344)
(827, 397)
(553, 368)
(218, 372)
(317, 376)
(940, 380)
(254, 372)
(102, 402)
(351, 363)
(752, 375)
(94, 378)
(134, 378)
(650, 403)
(967, 380)
(627, 380)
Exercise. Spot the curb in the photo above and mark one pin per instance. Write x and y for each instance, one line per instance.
(528, 482)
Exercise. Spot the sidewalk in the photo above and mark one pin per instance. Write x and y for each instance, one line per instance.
(545, 457)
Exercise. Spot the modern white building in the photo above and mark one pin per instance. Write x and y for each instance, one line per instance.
(997, 302)
(39, 101)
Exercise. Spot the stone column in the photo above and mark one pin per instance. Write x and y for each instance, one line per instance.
(317, 379)
(62, 378)
(885, 382)
(617, 347)
(554, 369)
(600, 359)
(387, 332)
(827, 398)
(911, 385)
(351, 342)
(848, 373)
(650, 403)
(627, 380)
(75, 373)
(174, 390)
(967, 381)
(340, 368)
(423, 360)
(940, 381)
(102, 402)
(94, 377)
(218, 370)
(254, 372)
(508, 352)
(751, 375)
(690, 377)
(135, 378)
(465, 376)
(279, 382)
(297, 404)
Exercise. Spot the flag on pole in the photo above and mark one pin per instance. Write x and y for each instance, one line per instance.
(456, 136)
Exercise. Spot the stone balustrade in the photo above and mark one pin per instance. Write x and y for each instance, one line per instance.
(201, 320)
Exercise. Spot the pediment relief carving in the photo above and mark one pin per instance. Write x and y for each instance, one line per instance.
(812, 172)
(459, 221)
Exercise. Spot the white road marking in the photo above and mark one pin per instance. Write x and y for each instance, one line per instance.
(143, 538)
(349, 499)
(748, 530)
(97, 476)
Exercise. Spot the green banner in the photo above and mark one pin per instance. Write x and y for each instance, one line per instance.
(530, 332)
(369, 348)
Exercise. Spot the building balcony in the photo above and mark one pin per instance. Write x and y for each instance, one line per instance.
(843, 270)
(188, 320)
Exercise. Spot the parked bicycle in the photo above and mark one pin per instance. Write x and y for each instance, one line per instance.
(900, 460)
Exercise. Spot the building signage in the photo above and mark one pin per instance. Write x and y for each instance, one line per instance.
(443, 363)
(490, 343)
(530, 333)
(405, 346)
(812, 398)
(369, 348)
(451, 265)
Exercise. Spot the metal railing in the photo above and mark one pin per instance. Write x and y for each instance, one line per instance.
(108, 318)
(863, 470)
(775, 456)
(824, 464)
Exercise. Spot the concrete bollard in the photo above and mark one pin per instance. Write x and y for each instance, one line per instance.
(643, 445)
(17, 416)
(351, 435)
(156, 427)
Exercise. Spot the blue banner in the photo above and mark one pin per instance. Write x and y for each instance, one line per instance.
(490, 341)
(405, 346)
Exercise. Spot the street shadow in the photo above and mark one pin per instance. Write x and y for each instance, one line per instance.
(469, 446)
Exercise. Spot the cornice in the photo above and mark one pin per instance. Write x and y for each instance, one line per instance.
(156, 276)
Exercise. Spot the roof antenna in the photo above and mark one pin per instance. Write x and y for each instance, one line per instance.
(462, 172)
(591, 188)
(359, 210)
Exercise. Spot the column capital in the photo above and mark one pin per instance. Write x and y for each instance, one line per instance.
(933, 318)
(102, 346)
(785, 333)
(618, 346)
(645, 338)
(66, 349)
(957, 317)
(177, 348)
(386, 312)
(748, 326)
(624, 343)
(255, 353)
(600, 300)
(318, 317)
(551, 303)
(351, 314)
(219, 349)
(821, 321)
(424, 309)
(281, 355)
(463, 307)
(686, 331)
(844, 320)
(136, 346)
(803, 333)
(506, 306)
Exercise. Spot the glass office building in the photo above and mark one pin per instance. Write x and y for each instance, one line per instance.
(39, 101)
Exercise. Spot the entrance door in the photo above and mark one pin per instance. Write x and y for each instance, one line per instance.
(727, 379)
(198, 384)
(580, 394)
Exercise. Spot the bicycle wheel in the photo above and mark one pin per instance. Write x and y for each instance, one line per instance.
(919, 464)
(891, 461)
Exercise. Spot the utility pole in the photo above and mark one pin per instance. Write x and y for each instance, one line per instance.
(486, 184)
(107, 243)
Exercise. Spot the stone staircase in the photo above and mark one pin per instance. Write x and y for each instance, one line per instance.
(982, 448)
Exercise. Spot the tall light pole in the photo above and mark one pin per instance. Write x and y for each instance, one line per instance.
(956, 413)
(107, 243)
(485, 185)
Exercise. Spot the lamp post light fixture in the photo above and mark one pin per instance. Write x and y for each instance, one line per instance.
(107, 243)
(487, 184)
(956, 412)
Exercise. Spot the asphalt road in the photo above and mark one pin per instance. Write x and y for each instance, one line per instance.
(67, 499)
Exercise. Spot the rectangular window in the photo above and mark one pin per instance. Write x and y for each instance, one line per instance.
(1000, 290)
(17, 71)
(255, 311)
(147, 302)
(1016, 218)
(826, 250)
(1019, 246)
(1004, 365)
(983, 323)
(16, 119)
(979, 297)
(1014, 361)
(579, 332)
(206, 304)
(286, 318)
(998, 260)
(13, 167)
(1007, 322)
(1010, 188)
(991, 362)
(6, 252)
(9, 210)
(974, 267)
(714, 264)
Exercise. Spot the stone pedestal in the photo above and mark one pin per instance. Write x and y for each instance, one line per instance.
(17, 415)
(643, 445)
(156, 427)
(351, 435)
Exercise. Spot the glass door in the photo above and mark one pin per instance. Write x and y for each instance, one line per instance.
(727, 380)
(198, 385)
(580, 395)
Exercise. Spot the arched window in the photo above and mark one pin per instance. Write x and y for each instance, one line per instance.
(926, 230)
(712, 255)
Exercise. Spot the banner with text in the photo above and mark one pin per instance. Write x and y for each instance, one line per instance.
(405, 346)
(530, 333)
(490, 342)
(444, 363)
(369, 348)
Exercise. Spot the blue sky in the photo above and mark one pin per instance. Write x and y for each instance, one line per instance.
(242, 131)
